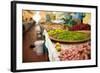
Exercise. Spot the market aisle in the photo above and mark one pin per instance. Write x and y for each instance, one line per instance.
(28, 53)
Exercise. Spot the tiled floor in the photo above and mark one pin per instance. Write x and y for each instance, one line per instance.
(29, 54)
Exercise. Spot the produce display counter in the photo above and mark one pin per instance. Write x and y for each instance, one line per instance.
(72, 51)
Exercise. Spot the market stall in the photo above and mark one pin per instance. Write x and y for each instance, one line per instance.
(68, 50)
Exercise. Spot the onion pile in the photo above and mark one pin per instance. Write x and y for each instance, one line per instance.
(78, 52)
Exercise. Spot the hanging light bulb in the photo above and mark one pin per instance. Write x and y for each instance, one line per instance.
(37, 17)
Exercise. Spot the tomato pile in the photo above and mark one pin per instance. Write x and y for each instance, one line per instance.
(80, 27)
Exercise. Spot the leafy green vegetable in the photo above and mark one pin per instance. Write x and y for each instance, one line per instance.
(67, 35)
